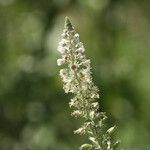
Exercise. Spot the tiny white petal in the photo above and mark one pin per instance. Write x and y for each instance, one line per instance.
(76, 35)
(61, 49)
(86, 63)
(63, 42)
(60, 62)
(63, 35)
(79, 45)
(63, 72)
(92, 114)
(81, 49)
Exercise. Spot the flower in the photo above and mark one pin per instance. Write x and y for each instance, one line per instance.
(77, 79)
(60, 61)
(63, 72)
(77, 113)
(73, 102)
(61, 49)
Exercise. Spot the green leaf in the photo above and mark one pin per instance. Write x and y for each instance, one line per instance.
(86, 147)
(116, 145)
(111, 130)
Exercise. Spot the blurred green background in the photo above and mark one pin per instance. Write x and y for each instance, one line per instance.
(34, 112)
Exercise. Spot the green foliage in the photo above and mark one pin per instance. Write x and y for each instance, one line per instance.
(33, 109)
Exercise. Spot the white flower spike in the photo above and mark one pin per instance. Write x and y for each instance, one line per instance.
(77, 79)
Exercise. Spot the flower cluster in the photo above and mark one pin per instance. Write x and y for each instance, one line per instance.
(77, 79)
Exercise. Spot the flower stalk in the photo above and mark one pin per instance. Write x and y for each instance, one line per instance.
(77, 79)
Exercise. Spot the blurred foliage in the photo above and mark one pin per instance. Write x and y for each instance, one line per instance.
(34, 113)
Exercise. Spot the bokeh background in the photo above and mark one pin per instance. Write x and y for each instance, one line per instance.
(34, 112)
